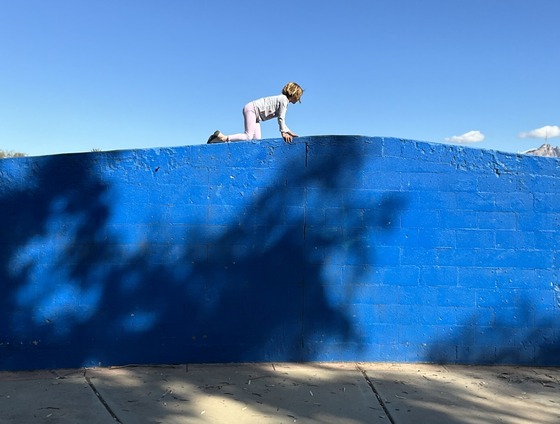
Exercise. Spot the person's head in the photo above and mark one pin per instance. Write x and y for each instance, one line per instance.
(293, 92)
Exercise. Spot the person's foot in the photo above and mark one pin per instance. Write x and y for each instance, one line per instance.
(217, 137)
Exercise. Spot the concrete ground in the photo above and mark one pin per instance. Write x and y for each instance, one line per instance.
(352, 393)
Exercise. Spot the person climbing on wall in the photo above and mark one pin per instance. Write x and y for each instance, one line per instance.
(262, 110)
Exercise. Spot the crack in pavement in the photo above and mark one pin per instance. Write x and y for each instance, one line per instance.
(376, 393)
(103, 402)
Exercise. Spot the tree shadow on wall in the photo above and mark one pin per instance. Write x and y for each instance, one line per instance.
(54, 212)
(526, 334)
(81, 290)
(268, 271)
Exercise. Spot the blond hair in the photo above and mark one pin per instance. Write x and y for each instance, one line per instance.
(292, 90)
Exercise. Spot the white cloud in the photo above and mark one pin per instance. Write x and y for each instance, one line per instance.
(469, 137)
(548, 131)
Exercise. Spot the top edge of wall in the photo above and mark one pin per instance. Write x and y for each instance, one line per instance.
(421, 145)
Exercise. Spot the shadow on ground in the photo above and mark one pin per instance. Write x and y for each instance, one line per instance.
(457, 394)
(275, 392)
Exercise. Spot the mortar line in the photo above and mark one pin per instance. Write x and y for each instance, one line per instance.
(103, 402)
(376, 393)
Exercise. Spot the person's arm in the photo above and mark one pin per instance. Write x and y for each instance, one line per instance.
(287, 134)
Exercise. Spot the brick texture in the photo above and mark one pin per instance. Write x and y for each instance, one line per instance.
(332, 248)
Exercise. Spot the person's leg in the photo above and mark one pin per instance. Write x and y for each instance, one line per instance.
(256, 130)
(252, 127)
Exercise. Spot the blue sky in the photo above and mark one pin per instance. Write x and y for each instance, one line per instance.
(82, 75)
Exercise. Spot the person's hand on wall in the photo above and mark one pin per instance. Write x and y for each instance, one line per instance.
(288, 136)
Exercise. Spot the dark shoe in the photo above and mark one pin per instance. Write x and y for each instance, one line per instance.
(216, 137)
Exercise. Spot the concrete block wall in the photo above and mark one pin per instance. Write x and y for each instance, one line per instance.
(333, 248)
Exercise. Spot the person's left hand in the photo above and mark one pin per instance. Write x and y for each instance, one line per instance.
(288, 136)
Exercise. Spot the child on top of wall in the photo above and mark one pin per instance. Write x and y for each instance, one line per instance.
(262, 110)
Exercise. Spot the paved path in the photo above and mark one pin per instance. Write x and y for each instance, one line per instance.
(352, 393)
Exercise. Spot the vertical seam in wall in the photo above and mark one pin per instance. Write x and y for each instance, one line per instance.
(304, 248)
(305, 195)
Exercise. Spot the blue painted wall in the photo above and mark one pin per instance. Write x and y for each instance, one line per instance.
(329, 249)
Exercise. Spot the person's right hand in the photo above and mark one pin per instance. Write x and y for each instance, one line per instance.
(288, 136)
